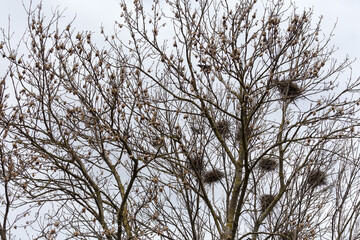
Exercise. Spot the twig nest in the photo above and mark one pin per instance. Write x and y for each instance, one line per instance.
(288, 89)
(316, 178)
(266, 200)
(158, 141)
(223, 126)
(267, 164)
(196, 163)
(213, 176)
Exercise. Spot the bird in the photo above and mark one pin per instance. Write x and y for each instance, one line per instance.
(205, 68)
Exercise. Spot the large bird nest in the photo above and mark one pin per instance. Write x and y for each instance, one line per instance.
(223, 126)
(288, 89)
(196, 163)
(316, 178)
(266, 200)
(213, 176)
(267, 164)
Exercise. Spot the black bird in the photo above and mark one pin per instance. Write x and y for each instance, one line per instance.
(205, 68)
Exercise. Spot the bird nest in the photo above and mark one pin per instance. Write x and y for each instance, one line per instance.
(266, 200)
(213, 176)
(267, 164)
(196, 162)
(158, 141)
(288, 89)
(223, 126)
(316, 178)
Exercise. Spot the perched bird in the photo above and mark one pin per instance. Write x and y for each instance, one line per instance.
(205, 68)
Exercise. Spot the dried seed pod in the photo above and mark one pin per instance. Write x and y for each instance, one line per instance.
(213, 176)
(267, 164)
(266, 200)
(316, 178)
(156, 215)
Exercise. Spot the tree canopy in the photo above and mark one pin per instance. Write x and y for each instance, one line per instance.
(201, 119)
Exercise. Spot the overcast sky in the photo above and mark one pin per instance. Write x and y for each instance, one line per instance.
(90, 14)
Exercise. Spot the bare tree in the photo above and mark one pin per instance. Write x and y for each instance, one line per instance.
(197, 120)
(70, 123)
(6, 176)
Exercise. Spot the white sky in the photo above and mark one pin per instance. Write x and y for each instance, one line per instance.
(347, 32)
